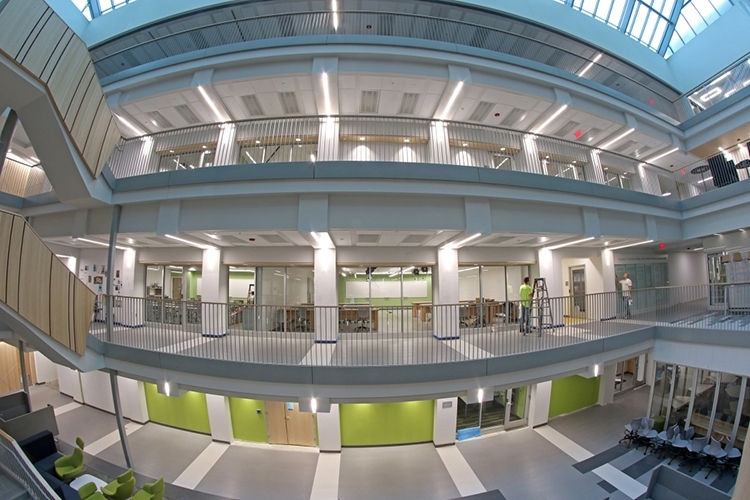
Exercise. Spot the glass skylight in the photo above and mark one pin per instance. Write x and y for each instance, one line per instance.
(663, 26)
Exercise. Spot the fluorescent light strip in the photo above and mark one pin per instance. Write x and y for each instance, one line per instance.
(668, 193)
(555, 247)
(129, 125)
(632, 245)
(465, 240)
(60, 256)
(335, 8)
(622, 136)
(211, 104)
(100, 243)
(549, 120)
(722, 77)
(326, 94)
(590, 65)
(697, 249)
(468, 269)
(452, 99)
(706, 180)
(662, 155)
(191, 243)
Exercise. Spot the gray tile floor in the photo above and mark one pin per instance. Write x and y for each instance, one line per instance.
(42, 395)
(404, 472)
(85, 422)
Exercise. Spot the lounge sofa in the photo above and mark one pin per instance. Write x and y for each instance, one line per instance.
(42, 452)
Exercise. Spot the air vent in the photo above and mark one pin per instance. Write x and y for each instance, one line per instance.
(498, 240)
(566, 129)
(626, 146)
(482, 110)
(368, 238)
(159, 119)
(369, 101)
(642, 151)
(187, 114)
(273, 238)
(252, 105)
(408, 104)
(593, 133)
(289, 103)
(234, 239)
(514, 117)
(415, 239)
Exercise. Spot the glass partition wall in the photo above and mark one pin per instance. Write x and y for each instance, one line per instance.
(285, 296)
(715, 404)
(179, 286)
(507, 409)
(491, 287)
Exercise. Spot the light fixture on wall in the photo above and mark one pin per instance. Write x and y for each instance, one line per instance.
(659, 157)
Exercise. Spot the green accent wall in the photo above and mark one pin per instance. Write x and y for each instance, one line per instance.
(241, 276)
(247, 423)
(189, 411)
(573, 393)
(386, 423)
(192, 290)
(393, 301)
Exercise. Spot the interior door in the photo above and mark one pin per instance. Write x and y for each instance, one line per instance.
(578, 292)
(177, 288)
(287, 425)
(516, 413)
(276, 422)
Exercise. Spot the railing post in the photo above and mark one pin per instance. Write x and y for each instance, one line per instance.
(24, 374)
(114, 229)
(120, 421)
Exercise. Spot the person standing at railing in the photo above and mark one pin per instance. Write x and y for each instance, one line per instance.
(526, 293)
(627, 299)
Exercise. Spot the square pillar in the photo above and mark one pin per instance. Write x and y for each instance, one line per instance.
(329, 430)
(328, 139)
(219, 418)
(129, 311)
(529, 160)
(445, 310)
(227, 149)
(607, 384)
(439, 145)
(444, 429)
(593, 169)
(326, 319)
(541, 394)
(214, 294)
(610, 297)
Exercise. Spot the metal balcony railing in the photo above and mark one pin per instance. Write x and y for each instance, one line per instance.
(14, 463)
(616, 75)
(372, 335)
(393, 139)
(721, 86)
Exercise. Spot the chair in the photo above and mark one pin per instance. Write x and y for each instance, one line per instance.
(681, 444)
(665, 439)
(70, 466)
(463, 315)
(647, 435)
(89, 492)
(714, 456)
(695, 452)
(302, 323)
(631, 431)
(363, 318)
(280, 320)
(122, 487)
(151, 491)
(732, 460)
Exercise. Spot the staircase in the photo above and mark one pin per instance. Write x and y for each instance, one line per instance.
(11, 490)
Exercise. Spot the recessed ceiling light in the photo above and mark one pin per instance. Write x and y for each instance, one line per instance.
(361, 138)
(257, 142)
(574, 161)
(204, 146)
(547, 157)
(407, 140)
(171, 150)
(502, 149)
(465, 144)
(298, 139)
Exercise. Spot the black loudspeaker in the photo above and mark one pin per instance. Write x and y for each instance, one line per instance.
(723, 171)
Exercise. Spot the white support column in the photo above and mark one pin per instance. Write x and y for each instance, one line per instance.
(219, 418)
(649, 180)
(529, 160)
(593, 169)
(129, 312)
(328, 139)
(640, 375)
(445, 314)
(227, 149)
(607, 384)
(326, 296)
(69, 381)
(329, 430)
(444, 429)
(440, 150)
(133, 399)
(550, 268)
(609, 287)
(214, 294)
(539, 403)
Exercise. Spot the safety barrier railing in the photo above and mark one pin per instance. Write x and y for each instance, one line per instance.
(372, 335)
(386, 139)
(15, 464)
(22, 180)
(113, 58)
(721, 86)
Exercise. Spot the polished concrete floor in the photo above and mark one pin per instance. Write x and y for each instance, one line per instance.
(575, 457)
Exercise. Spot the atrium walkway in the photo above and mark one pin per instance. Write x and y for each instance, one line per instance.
(523, 464)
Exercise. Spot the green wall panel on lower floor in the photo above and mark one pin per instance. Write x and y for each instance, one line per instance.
(247, 423)
(573, 393)
(189, 411)
(386, 423)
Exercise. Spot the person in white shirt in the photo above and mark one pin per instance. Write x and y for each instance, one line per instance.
(627, 287)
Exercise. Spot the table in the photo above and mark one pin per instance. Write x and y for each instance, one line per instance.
(80, 481)
(721, 429)
(350, 313)
(421, 309)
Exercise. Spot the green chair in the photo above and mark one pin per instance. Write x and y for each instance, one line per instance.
(151, 491)
(89, 492)
(70, 466)
(122, 487)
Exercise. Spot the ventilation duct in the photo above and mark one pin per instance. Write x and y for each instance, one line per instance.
(159, 119)
(187, 114)
(513, 118)
(482, 110)
(408, 104)
(289, 103)
(252, 105)
(369, 101)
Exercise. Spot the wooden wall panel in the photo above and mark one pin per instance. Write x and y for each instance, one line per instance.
(110, 141)
(36, 262)
(14, 262)
(40, 52)
(19, 17)
(88, 78)
(59, 302)
(71, 316)
(98, 132)
(66, 76)
(83, 309)
(6, 225)
(55, 57)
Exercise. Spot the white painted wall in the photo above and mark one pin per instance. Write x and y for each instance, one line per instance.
(444, 428)
(70, 383)
(97, 390)
(709, 357)
(214, 293)
(46, 370)
(687, 268)
(326, 319)
(539, 403)
(133, 399)
(607, 384)
(219, 418)
(329, 430)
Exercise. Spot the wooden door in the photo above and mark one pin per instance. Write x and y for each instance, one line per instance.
(300, 428)
(276, 422)
(177, 288)
(288, 425)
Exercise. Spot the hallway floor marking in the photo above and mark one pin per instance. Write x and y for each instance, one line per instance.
(181, 346)
(66, 408)
(113, 437)
(201, 466)
(461, 473)
(326, 482)
(320, 354)
(469, 350)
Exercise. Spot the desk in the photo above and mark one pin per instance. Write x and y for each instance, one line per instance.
(421, 309)
(721, 429)
(350, 313)
(80, 481)
(489, 310)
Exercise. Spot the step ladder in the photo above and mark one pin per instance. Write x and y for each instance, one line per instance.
(541, 308)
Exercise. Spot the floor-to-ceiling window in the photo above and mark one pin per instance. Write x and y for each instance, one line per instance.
(506, 409)
(178, 289)
(483, 292)
(283, 298)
